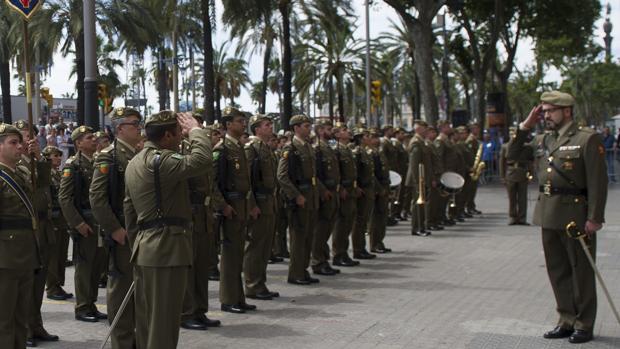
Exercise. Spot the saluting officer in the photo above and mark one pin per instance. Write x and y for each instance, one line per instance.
(348, 198)
(418, 155)
(19, 256)
(233, 198)
(328, 173)
(572, 174)
(158, 213)
(514, 172)
(261, 231)
(107, 192)
(74, 202)
(297, 177)
(366, 182)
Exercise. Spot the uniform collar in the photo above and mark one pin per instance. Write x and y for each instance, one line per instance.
(7, 167)
(232, 139)
(86, 157)
(295, 138)
(564, 130)
(126, 145)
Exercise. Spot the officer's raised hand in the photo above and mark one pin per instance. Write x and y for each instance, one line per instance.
(533, 118)
(187, 122)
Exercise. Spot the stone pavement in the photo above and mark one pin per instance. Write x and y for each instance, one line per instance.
(481, 284)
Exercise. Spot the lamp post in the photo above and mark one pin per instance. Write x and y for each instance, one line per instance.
(91, 116)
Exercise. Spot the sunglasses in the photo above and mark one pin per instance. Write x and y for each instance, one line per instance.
(135, 123)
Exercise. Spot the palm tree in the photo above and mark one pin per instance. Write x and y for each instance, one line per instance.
(236, 75)
(208, 17)
(284, 6)
(7, 51)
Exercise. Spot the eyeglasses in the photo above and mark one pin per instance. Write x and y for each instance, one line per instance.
(135, 123)
(551, 110)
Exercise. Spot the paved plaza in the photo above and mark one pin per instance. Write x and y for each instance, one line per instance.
(481, 284)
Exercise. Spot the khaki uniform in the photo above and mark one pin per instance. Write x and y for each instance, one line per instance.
(280, 245)
(378, 221)
(58, 255)
(434, 216)
(419, 154)
(514, 172)
(19, 255)
(297, 176)
(233, 187)
(465, 164)
(402, 159)
(328, 173)
(472, 144)
(365, 202)
(348, 206)
(90, 255)
(448, 161)
(573, 176)
(161, 223)
(263, 170)
(107, 192)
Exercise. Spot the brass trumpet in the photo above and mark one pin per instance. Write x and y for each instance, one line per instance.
(421, 186)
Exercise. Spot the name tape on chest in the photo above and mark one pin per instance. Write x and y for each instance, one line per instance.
(569, 147)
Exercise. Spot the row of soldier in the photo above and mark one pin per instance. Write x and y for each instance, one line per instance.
(145, 217)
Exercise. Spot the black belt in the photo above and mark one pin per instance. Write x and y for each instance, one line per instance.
(364, 185)
(347, 183)
(234, 195)
(197, 198)
(262, 197)
(15, 224)
(164, 222)
(42, 215)
(549, 190)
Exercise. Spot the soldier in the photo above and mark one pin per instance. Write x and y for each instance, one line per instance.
(58, 254)
(434, 215)
(328, 173)
(448, 160)
(366, 182)
(297, 177)
(103, 141)
(467, 161)
(263, 171)
(18, 225)
(514, 173)
(379, 218)
(572, 174)
(418, 155)
(473, 143)
(280, 246)
(390, 152)
(107, 192)
(348, 198)
(196, 302)
(74, 202)
(402, 158)
(234, 200)
(213, 231)
(158, 213)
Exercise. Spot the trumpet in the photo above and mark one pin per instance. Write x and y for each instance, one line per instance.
(421, 186)
(479, 165)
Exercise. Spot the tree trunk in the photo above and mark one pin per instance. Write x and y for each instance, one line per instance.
(81, 73)
(262, 102)
(417, 97)
(209, 76)
(340, 87)
(5, 87)
(287, 108)
(218, 96)
(330, 92)
(423, 37)
(162, 80)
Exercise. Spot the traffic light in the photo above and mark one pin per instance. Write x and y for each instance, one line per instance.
(44, 92)
(102, 93)
(50, 101)
(375, 92)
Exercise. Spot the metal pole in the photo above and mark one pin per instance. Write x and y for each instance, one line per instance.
(29, 96)
(368, 63)
(90, 66)
(175, 69)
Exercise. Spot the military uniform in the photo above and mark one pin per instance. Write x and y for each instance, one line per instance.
(328, 173)
(434, 216)
(467, 156)
(390, 153)
(379, 218)
(297, 176)
(402, 158)
(572, 174)
(448, 161)
(348, 206)
(88, 253)
(472, 145)
(366, 181)
(107, 192)
(280, 245)
(514, 171)
(234, 188)
(419, 155)
(158, 213)
(19, 255)
(263, 170)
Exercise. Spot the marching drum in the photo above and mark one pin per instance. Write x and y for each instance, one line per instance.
(395, 179)
(450, 183)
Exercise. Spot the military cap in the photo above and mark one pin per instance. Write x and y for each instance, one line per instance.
(558, 98)
(230, 112)
(164, 117)
(462, 129)
(101, 134)
(386, 127)
(359, 131)
(399, 129)
(374, 132)
(198, 116)
(49, 150)
(123, 112)
(256, 119)
(298, 120)
(340, 124)
(512, 129)
(22, 125)
(441, 123)
(80, 131)
(420, 122)
(8, 129)
(433, 128)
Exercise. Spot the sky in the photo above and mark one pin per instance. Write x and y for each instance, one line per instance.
(380, 15)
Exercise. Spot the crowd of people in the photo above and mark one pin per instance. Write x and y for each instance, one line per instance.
(168, 201)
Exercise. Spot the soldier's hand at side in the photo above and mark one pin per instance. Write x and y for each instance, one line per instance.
(434, 183)
(34, 149)
(300, 200)
(228, 211)
(84, 229)
(343, 194)
(532, 119)
(119, 236)
(187, 122)
(327, 195)
(255, 212)
(592, 227)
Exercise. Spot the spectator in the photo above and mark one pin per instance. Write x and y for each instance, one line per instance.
(489, 154)
(610, 150)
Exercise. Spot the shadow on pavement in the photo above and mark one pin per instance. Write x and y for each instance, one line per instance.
(250, 330)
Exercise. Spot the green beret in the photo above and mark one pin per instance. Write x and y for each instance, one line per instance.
(256, 119)
(230, 112)
(22, 125)
(49, 150)
(298, 120)
(420, 122)
(80, 131)
(8, 129)
(123, 112)
(164, 117)
(558, 98)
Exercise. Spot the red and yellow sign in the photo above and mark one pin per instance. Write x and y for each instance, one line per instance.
(25, 7)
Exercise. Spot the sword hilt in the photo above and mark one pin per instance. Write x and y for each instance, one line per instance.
(573, 231)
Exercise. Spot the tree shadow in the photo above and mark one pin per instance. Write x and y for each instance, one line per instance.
(255, 330)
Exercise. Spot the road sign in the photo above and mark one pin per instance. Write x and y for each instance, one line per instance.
(25, 7)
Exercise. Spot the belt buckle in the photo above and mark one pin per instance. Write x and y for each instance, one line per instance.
(547, 189)
(314, 181)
